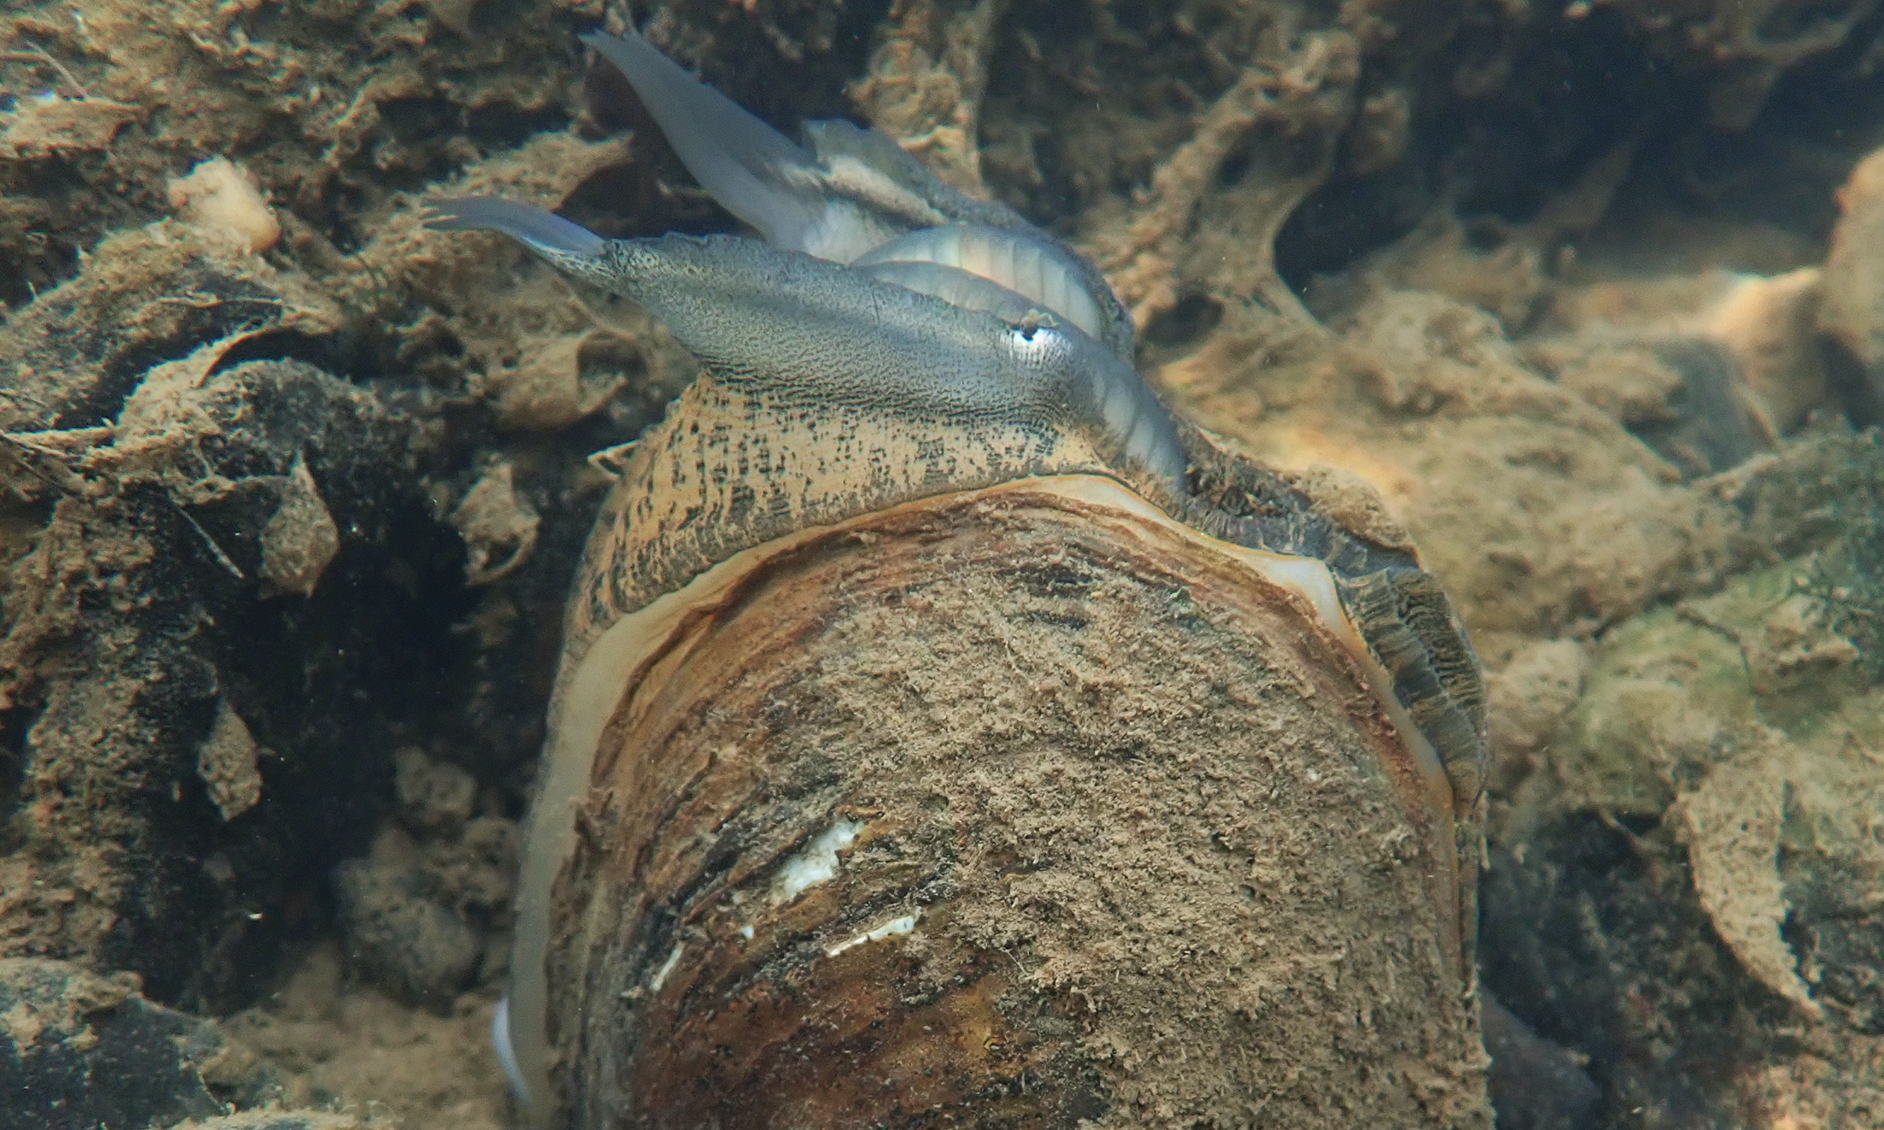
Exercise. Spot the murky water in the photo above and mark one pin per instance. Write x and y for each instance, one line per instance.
(1586, 307)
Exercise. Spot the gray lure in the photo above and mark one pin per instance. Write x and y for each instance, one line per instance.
(878, 286)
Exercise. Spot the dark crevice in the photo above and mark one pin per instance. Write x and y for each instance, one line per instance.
(505, 125)
(14, 724)
(1573, 89)
(322, 351)
(1187, 322)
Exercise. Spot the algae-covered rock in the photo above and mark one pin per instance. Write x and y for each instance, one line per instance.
(79, 1051)
(281, 1120)
(200, 739)
(1847, 577)
(284, 1120)
(1852, 314)
(1700, 862)
(231, 550)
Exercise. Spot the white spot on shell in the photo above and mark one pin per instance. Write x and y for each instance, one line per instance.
(667, 967)
(816, 862)
(904, 925)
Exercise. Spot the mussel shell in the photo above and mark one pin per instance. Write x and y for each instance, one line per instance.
(1134, 838)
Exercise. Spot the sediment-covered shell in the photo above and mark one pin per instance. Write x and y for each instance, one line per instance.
(1015, 802)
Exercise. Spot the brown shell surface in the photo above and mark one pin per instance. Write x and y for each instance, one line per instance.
(1148, 819)
(1134, 844)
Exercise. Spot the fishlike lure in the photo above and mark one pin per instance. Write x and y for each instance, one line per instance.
(945, 735)
(878, 286)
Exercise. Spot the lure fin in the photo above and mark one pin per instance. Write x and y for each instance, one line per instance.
(1020, 263)
(755, 172)
(542, 231)
(565, 244)
(852, 191)
(506, 1056)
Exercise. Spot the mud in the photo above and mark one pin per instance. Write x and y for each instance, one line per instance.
(1588, 294)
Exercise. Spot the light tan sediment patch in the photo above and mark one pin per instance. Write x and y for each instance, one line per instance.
(228, 763)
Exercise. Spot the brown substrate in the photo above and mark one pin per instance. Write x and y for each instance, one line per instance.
(1512, 225)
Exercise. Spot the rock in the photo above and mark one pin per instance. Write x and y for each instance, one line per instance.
(1833, 871)
(221, 201)
(1535, 1084)
(1593, 933)
(75, 354)
(432, 794)
(278, 1120)
(475, 869)
(195, 757)
(79, 1051)
(1769, 326)
(300, 539)
(498, 526)
(1686, 398)
(1693, 872)
(1732, 825)
(227, 762)
(1851, 309)
(402, 939)
(1529, 697)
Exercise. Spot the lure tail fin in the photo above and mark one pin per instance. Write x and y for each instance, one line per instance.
(755, 172)
(542, 231)
(566, 245)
